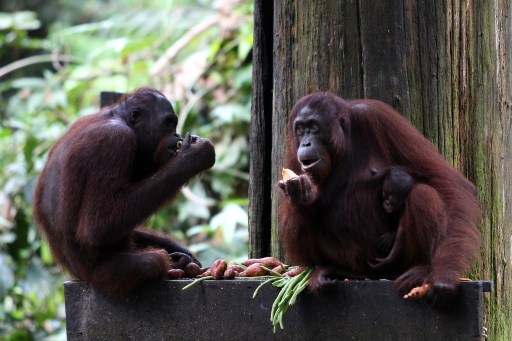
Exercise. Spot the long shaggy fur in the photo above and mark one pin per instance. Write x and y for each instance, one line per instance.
(339, 229)
(101, 183)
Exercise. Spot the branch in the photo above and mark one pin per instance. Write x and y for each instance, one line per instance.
(45, 58)
(172, 51)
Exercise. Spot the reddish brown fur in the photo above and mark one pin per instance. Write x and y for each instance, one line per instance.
(339, 229)
(100, 183)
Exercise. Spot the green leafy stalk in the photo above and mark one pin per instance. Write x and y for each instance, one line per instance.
(291, 287)
(300, 287)
(196, 282)
(270, 280)
(270, 271)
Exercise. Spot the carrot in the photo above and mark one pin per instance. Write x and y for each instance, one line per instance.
(418, 293)
(288, 174)
(254, 270)
(269, 262)
(218, 268)
(294, 271)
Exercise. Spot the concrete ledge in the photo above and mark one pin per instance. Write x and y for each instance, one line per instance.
(225, 310)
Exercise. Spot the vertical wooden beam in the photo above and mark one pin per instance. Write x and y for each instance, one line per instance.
(260, 185)
(383, 52)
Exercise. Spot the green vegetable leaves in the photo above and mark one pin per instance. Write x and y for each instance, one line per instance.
(291, 287)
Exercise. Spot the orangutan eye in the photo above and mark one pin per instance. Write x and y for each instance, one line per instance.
(134, 116)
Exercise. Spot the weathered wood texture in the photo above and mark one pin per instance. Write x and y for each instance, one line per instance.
(225, 310)
(445, 65)
(260, 185)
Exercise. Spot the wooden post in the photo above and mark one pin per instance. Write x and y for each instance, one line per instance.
(260, 185)
(445, 65)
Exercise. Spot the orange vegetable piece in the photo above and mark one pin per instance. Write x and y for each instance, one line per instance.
(288, 174)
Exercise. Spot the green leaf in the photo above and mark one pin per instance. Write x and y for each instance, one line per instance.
(228, 219)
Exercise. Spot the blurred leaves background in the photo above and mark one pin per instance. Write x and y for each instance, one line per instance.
(56, 56)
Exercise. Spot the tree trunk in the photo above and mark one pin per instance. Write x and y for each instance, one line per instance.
(445, 65)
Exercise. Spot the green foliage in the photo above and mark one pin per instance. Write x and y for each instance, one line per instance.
(54, 68)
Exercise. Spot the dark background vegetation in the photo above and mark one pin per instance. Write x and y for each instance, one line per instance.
(56, 56)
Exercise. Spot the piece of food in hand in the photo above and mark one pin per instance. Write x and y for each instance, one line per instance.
(254, 270)
(192, 270)
(175, 274)
(218, 267)
(294, 271)
(418, 293)
(269, 262)
(288, 174)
